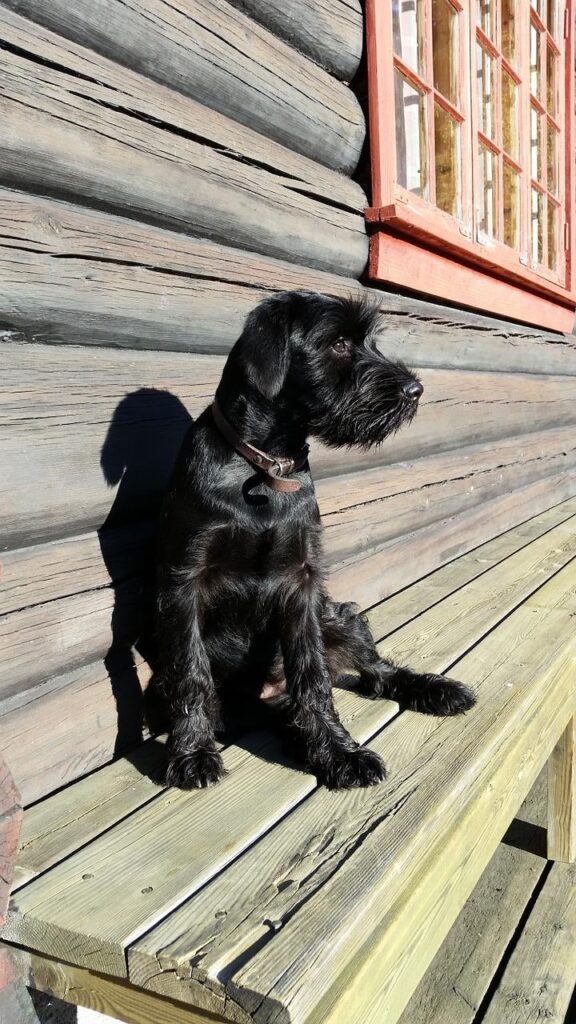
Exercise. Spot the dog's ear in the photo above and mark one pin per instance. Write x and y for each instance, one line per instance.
(265, 343)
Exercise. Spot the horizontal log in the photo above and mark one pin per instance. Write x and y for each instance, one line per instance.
(328, 31)
(202, 309)
(73, 729)
(90, 435)
(57, 627)
(359, 510)
(214, 53)
(129, 153)
(401, 561)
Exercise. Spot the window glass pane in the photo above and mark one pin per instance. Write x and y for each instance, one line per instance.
(508, 8)
(552, 16)
(486, 15)
(551, 82)
(408, 32)
(447, 149)
(535, 144)
(489, 191)
(537, 221)
(511, 190)
(411, 170)
(485, 74)
(552, 158)
(535, 60)
(445, 49)
(552, 236)
(509, 114)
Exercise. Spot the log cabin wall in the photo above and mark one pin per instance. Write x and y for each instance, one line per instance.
(163, 167)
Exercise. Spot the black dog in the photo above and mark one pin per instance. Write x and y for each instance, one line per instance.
(242, 603)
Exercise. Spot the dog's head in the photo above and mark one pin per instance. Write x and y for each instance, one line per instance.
(317, 356)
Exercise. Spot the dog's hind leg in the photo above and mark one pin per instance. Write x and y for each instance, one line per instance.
(185, 681)
(350, 645)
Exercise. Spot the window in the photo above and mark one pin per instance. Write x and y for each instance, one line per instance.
(471, 115)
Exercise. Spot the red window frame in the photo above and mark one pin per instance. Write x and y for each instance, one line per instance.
(417, 246)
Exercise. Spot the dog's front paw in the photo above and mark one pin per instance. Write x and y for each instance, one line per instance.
(352, 768)
(195, 769)
(442, 696)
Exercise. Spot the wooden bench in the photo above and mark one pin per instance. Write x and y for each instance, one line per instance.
(272, 900)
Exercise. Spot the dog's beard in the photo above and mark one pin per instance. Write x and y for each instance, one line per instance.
(365, 415)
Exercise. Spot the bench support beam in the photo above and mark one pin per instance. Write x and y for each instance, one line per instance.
(82, 987)
(562, 797)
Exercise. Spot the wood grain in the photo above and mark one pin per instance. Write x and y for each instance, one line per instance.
(59, 901)
(459, 976)
(72, 441)
(128, 157)
(80, 708)
(66, 613)
(538, 981)
(318, 836)
(107, 996)
(562, 798)
(10, 824)
(214, 53)
(330, 33)
(483, 761)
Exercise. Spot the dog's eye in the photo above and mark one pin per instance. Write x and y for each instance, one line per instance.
(340, 346)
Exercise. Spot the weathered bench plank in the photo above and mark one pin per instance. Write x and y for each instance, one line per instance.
(458, 792)
(538, 981)
(460, 974)
(562, 798)
(58, 899)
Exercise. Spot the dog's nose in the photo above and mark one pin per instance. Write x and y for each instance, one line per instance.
(413, 390)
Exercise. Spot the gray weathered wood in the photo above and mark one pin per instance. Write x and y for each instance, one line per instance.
(538, 981)
(414, 330)
(135, 149)
(328, 31)
(71, 444)
(10, 823)
(81, 710)
(454, 985)
(60, 899)
(209, 50)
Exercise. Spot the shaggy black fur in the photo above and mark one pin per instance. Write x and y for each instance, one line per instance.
(242, 603)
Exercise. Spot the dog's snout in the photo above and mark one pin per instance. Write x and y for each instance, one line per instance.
(413, 390)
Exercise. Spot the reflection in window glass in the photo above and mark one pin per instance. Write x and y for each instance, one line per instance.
(445, 49)
(509, 114)
(489, 192)
(551, 87)
(535, 60)
(552, 16)
(552, 259)
(535, 144)
(411, 170)
(508, 30)
(485, 75)
(552, 158)
(511, 193)
(408, 31)
(447, 150)
(537, 226)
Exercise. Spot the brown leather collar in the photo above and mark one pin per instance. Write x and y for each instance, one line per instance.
(274, 468)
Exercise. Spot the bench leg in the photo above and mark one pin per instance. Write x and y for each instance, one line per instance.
(562, 797)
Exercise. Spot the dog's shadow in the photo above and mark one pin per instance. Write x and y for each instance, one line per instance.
(137, 457)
